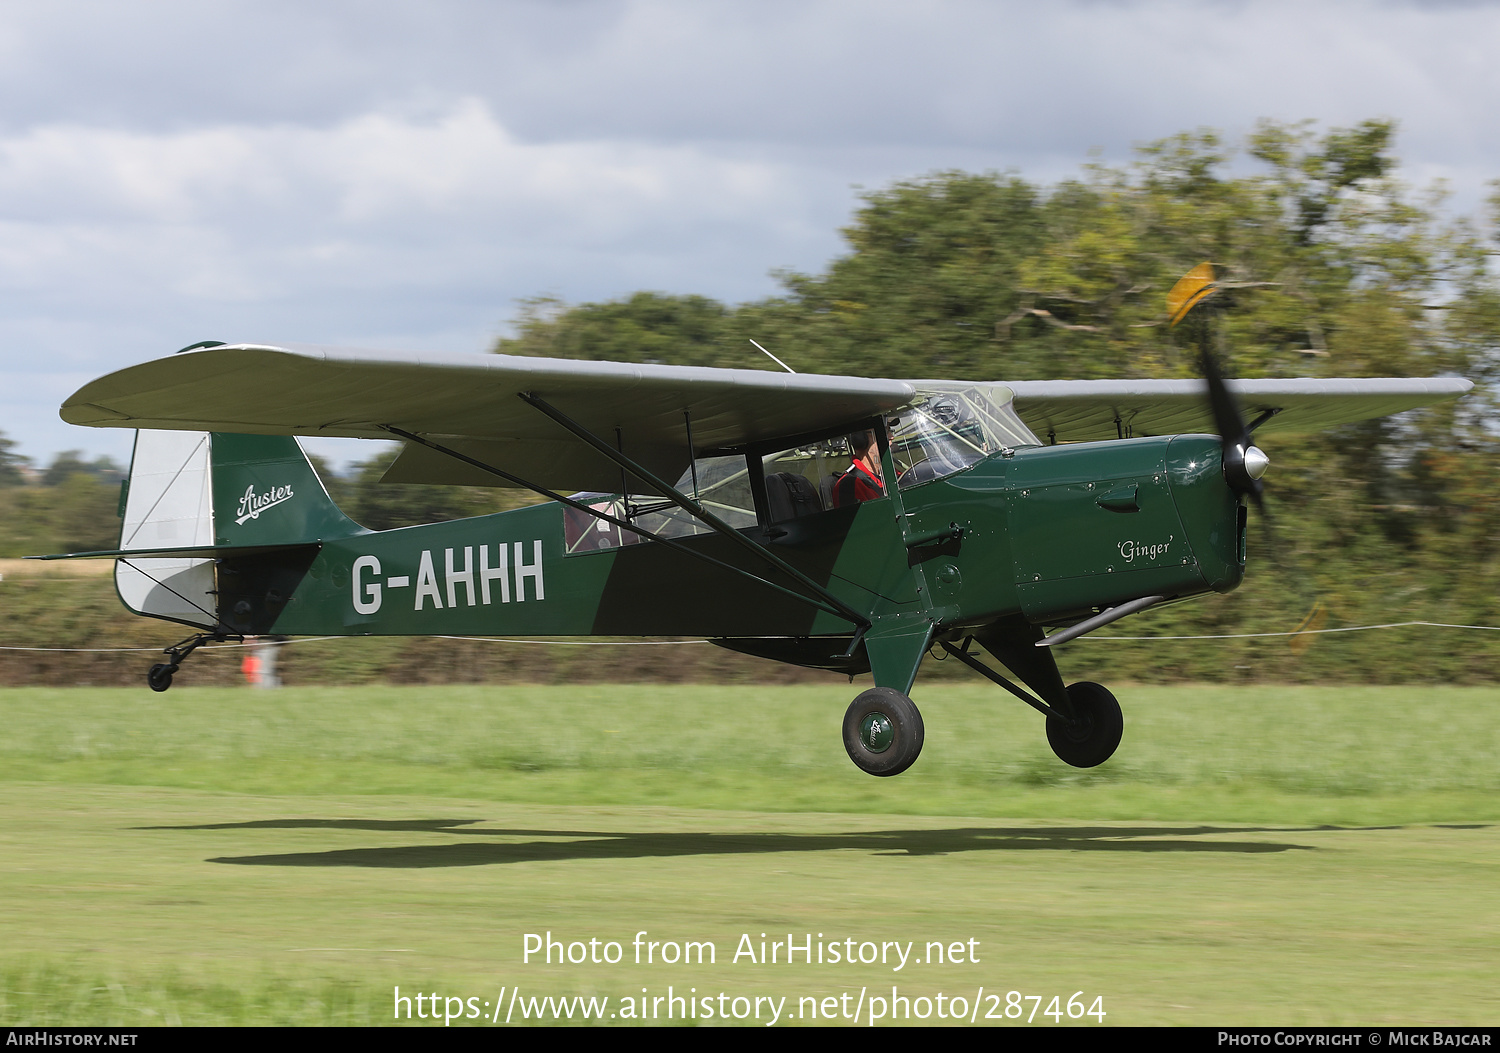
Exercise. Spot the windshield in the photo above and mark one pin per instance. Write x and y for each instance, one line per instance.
(946, 430)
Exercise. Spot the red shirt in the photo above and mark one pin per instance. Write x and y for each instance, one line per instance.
(856, 485)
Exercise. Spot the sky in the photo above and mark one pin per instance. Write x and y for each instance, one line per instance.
(402, 175)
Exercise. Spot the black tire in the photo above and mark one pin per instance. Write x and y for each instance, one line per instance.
(1096, 735)
(883, 731)
(160, 676)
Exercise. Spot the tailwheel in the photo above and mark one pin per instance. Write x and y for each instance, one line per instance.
(159, 676)
(1094, 735)
(883, 731)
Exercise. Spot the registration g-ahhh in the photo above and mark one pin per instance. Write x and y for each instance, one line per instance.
(840, 523)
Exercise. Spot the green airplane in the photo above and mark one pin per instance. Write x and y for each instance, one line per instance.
(706, 502)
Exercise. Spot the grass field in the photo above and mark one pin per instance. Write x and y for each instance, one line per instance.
(1250, 856)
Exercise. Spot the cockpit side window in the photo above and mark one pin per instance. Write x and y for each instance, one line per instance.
(943, 431)
(796, 482)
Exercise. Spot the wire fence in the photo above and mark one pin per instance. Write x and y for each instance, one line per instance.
(680, 643)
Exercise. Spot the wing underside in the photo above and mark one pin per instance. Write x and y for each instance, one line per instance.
(473, 404)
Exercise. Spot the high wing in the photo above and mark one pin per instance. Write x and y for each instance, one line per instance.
(471, 403)
(1088, 410)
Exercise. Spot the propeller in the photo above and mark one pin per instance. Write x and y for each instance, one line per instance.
(1244, 462)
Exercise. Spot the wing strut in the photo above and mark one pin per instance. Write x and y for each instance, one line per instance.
(842, 610)
(693, 508)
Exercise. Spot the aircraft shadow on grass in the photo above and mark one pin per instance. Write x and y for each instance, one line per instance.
(533, 846)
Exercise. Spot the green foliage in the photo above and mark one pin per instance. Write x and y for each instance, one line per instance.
(1333, 268)
(11, 463)
(77, 514)
(937, 265)
(70, 463)
(72, 507)
(646, 327)
(52, 612)
(957, 274)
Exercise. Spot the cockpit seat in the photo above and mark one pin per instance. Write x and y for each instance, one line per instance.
(790, 496)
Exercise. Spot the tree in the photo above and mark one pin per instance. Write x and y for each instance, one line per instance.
(76, 515)
(1333, 268)
(987, 276)
(11, 463)
(645, 327)
(71, 462)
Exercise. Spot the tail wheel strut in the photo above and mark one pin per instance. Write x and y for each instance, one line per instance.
(159, 676)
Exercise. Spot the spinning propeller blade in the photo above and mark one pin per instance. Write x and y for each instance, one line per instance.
(1192, 288)
(1303, 635)
(1244, 462)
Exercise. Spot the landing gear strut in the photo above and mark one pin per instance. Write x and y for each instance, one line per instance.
(1084, 723)
(883, 731)
(159, 677)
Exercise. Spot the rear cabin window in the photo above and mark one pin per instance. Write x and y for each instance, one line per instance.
(723, 488)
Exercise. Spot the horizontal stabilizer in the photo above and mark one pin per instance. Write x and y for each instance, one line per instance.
(204, 552)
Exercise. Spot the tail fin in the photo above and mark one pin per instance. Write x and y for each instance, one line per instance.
(213, 490)
(266, 493)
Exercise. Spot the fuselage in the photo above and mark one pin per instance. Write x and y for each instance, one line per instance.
(1048, 533)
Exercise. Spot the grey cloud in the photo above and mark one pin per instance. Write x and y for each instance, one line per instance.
(399, 174)
(1017, 75)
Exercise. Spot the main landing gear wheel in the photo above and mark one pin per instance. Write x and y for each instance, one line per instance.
(160, 676)
(1095, 736)
(883, 731)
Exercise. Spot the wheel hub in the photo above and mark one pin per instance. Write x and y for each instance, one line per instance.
(876, 732)
(1080, 728)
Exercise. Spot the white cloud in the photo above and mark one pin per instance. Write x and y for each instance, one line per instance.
(362, 230)
(370, 168)
(249, 213)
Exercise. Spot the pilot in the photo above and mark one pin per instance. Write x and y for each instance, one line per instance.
(861, 481)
